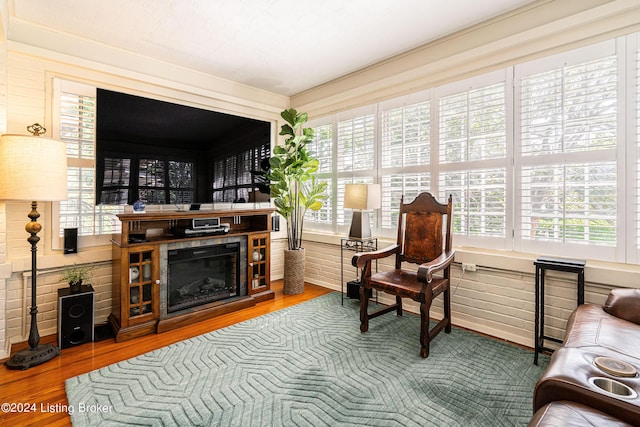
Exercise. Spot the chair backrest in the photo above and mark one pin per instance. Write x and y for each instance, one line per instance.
(420, 229)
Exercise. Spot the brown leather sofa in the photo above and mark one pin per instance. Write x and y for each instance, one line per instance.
(576, 376)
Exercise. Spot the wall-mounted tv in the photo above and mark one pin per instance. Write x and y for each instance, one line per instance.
(165, 153)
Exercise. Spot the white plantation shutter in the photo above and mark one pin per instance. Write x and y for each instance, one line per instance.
(570, 203)
(355, 156)
(479, 198)
(570, 109)
(568, 150)
(76, 123)
(472, 147)
(321, 148)
(355, 143)
(405, 156)
(394, 186)
(406, 135)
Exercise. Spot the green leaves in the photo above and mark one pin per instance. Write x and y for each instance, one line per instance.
(294, 187)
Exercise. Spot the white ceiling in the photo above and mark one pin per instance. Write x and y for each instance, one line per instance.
(282, 46)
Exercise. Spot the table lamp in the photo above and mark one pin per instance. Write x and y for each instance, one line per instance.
(33, 168)
(361, 198)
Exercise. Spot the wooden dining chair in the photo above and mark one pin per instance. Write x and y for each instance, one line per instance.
(424, 238)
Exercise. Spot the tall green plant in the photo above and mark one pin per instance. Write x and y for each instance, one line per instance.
(294, 187)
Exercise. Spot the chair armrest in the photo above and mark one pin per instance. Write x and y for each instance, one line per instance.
(426, 270)
(360, 259)
(624, 303)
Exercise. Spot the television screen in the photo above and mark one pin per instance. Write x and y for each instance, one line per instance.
(165, 153)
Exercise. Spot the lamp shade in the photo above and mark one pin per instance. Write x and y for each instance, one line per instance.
(362, 196)
(32, 168)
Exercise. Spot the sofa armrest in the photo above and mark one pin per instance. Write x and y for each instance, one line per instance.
(624, 304)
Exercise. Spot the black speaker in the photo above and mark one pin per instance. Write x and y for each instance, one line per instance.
(275, 223)
(353, 289)
(75, 316)
(70, 240)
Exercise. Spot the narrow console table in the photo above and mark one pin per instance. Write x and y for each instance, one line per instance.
(366, 244)
(558, 264)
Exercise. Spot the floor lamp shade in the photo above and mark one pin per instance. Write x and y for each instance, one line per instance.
(32, 168)
(361, 198)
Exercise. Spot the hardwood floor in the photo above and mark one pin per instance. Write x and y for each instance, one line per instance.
(41, 388)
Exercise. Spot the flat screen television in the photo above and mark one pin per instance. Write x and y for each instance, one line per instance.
(166, 153)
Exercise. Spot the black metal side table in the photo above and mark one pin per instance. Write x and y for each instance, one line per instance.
(356, 245)
(558, 264)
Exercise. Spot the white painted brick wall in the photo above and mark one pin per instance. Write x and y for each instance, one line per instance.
(5, 269)
(49, 281)
(492, 301)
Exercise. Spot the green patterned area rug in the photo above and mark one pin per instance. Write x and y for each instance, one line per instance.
(309, 365)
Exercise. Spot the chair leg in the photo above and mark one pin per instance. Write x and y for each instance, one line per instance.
(398, 306)
(447, 309)
(424, 329)
(364, 307)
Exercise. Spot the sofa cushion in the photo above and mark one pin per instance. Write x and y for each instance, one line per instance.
(571, 414)
(589, 325)
(624, 304)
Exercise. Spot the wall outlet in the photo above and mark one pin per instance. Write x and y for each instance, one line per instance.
(469, 267)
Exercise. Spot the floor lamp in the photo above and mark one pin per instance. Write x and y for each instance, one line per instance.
(361, 198)
(33, 168)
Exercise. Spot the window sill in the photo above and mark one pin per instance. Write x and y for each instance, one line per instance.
(606, 274)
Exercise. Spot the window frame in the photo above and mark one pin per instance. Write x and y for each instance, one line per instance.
(626, 153)
(60, 85)
(567, 59)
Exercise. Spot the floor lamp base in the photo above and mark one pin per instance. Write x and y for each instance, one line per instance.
(25, 359)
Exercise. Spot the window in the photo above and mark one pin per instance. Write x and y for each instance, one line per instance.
(355, 142)
(405, 155)
(540, 157)
(568, 148)
(74, 123)
(472, 154)
(322, 148)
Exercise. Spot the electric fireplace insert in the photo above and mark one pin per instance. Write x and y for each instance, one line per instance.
(202, 275)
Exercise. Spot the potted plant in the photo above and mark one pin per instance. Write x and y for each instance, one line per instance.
(294, 190)
(75, 275)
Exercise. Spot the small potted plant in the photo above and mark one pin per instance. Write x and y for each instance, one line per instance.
(75, 275)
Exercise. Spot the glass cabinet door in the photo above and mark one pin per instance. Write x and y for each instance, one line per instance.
(140, 284)
(258, 263)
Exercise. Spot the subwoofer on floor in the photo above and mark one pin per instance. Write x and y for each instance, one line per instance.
(75, 316)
